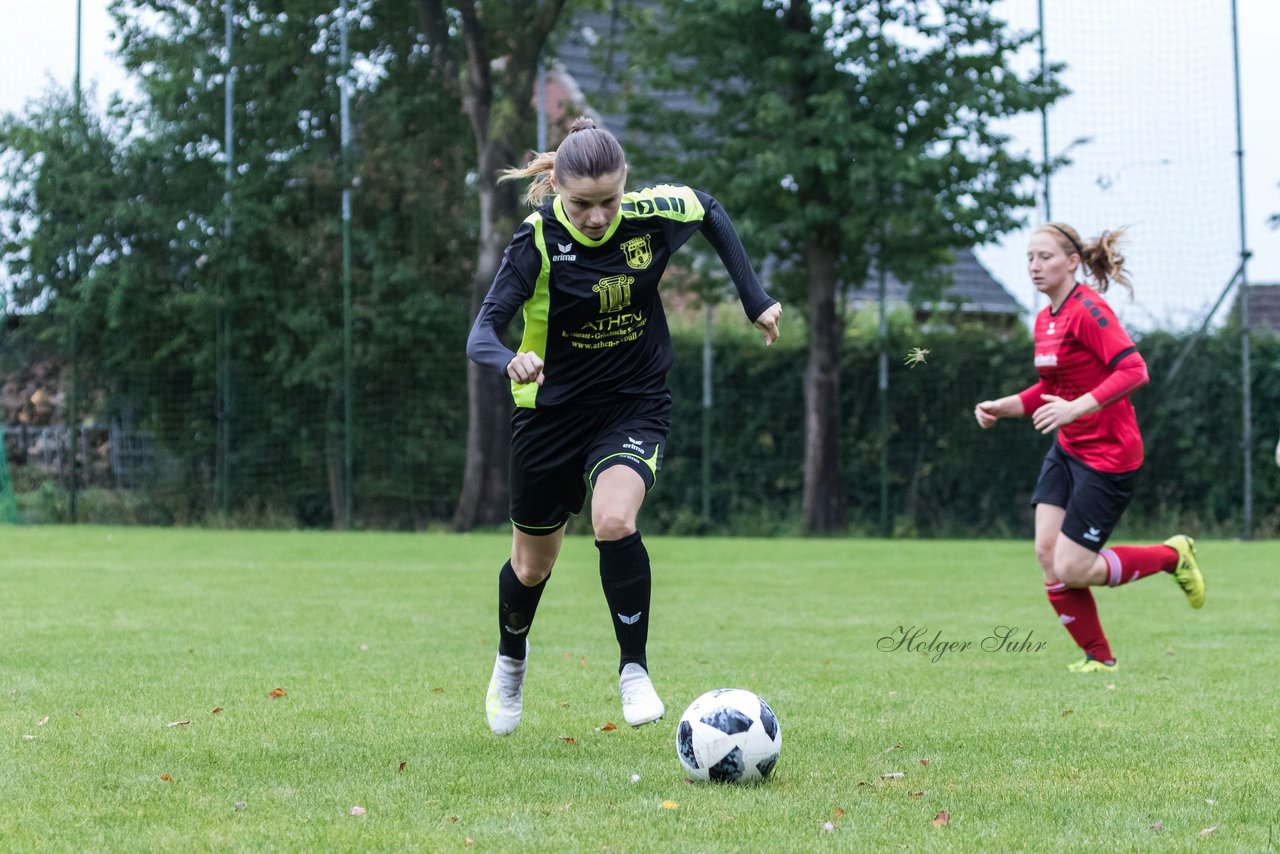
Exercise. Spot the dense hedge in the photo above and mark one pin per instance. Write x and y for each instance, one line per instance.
(947, 477)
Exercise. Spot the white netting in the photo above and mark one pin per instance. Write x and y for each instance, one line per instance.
(1152, 92)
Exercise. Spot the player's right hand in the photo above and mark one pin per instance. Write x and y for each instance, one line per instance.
(985, 412)
(526, 368)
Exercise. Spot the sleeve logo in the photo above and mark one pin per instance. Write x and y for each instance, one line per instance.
(638, 252)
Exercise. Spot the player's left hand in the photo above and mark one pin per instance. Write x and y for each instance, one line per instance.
(1055, 413)
(767, 323)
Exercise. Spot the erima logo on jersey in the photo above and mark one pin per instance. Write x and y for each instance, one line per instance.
(566, 253)
(1093, 534)
(630, 621)
(1046, 360)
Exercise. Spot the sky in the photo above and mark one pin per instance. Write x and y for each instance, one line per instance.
(1153, 95)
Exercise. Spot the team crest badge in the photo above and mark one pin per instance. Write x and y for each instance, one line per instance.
(637, 252)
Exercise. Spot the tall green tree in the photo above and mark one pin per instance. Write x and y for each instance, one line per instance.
(117, 222)
(844, 137)
(277, 277)
(488, 55)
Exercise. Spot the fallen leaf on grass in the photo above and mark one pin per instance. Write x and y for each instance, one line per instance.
(609, 726)
(1111, 686)
(828, 827)
(924, 761)
(29, 738)
(44, 720)
(837, 813)
(917, 794)
(893, 775)
(583, 662)
(468, 842)
(1208, 831)
(402, 764)
(670, 805)
(1066, 713)
(276, 693)
(568, 739)
(891, 749)
(357, 811)
(1210, 801)
(1158, 827)
(166, 778)
(217, 710)
(453, 819)
(635, 778)
(241, 805)
(942, 819)
(364, 647)
(177, 723)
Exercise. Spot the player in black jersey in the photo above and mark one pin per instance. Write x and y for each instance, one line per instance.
(589, 382)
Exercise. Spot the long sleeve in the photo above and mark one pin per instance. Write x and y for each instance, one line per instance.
(1031, 400)
(1129, 373)
(512, 286)
(720, 233)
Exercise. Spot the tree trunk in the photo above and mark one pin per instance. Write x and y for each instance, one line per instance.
(464, 39)
(823, 505)
(485, 493)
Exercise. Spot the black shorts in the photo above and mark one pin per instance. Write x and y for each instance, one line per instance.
(556, 450)
(1094, 500)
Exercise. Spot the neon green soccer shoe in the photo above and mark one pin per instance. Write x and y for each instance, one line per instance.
(1093, 665)
(1187, 572)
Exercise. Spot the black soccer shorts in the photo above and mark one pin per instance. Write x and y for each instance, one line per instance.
(555, 451)
(1094, 500)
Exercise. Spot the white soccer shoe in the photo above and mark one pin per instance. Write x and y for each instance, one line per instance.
(504, 701)
(640, 703)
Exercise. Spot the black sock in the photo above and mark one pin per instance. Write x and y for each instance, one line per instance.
(625, 577)
(516, 607)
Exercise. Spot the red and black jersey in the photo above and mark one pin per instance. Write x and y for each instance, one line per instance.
(591, 308)
(1080, 349)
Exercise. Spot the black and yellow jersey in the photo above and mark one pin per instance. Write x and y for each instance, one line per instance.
(592, 311)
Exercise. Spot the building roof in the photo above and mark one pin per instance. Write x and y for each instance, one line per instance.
(1264, 307)
(973, 290)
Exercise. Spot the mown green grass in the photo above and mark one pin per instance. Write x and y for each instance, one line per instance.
(383, 644)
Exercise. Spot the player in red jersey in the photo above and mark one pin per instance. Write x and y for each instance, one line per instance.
(1087, 366)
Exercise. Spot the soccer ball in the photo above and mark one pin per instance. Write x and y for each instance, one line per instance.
(728, 735)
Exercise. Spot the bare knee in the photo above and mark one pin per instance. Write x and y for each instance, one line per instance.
(531, 571)
(1073, 573)
(610, 524)
(1044, 554)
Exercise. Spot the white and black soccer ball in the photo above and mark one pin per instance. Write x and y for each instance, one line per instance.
(728, 735)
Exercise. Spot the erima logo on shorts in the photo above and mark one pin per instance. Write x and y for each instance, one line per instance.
(566, 253)
(1092, 534)
(1046, 360)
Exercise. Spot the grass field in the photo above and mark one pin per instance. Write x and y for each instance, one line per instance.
(136, 668)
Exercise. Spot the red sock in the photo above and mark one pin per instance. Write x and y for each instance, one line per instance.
(1129, 563)
(1079, 616)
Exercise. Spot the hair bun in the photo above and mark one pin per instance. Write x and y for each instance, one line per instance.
(582, 123)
